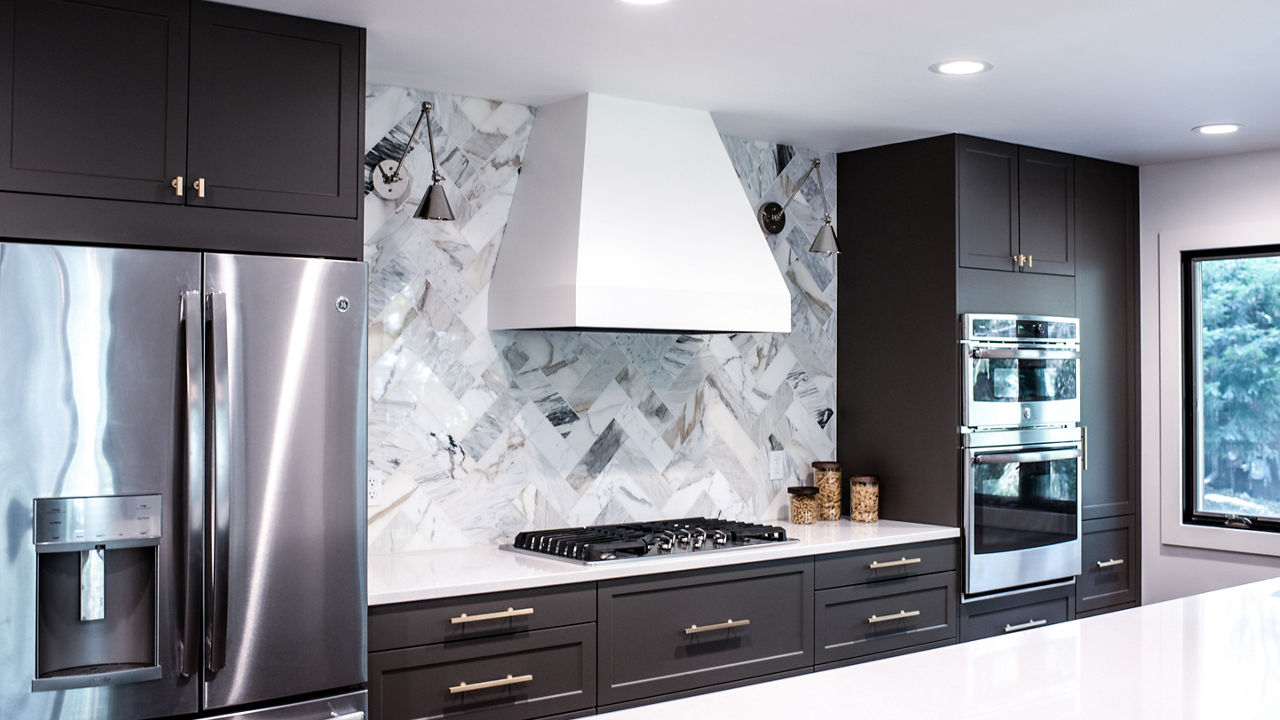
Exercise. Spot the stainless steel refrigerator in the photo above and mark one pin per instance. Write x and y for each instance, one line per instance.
(182, 465)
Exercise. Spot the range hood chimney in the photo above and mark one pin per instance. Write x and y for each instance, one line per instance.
(628, 215)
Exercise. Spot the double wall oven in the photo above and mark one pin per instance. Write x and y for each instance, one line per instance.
(1021, 450)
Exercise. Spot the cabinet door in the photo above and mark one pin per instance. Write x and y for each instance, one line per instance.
(1046, 211)
(97, 95)
(694, 629)
(882, 616)
(1109, 554)
(275, 107)
(1106, 209)
(987, 203)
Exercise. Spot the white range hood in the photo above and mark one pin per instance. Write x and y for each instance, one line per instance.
(629, 215)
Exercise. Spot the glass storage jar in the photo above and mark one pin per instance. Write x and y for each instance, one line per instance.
(804, 504)
(826, 476)
(864, 498)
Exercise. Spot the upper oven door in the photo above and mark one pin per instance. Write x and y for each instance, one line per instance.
(1009, 385)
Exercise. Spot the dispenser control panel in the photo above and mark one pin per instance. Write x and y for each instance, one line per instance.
(115, 521)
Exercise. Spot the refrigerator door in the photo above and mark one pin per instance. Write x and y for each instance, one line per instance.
(93, 377)
(285, 592)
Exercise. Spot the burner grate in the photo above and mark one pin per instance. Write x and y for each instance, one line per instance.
(659, 538)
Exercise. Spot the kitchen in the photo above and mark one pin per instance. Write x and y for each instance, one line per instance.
(477, 433)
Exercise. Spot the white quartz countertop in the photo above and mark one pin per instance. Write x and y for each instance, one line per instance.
(409, 576)
(1215, 655)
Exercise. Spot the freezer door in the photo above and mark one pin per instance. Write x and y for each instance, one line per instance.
(94, 371)
(285, 582)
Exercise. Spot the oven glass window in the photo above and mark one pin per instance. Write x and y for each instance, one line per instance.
(1017, 506)
(1023, 381)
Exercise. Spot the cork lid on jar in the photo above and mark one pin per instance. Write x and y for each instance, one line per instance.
(864, 479)
(825, 465)
(803, 490)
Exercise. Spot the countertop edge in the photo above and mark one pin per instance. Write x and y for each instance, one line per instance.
(534, 572)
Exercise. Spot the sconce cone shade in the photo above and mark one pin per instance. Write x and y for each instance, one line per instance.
(825, 240)
(435, 206)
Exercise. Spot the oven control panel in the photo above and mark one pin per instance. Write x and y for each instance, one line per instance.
(1020, 328)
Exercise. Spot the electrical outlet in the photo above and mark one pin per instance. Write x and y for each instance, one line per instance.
(375, 492)
(777, 464)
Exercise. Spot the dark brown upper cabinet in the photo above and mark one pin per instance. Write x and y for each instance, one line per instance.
(179, 109)
(98, 94)
(1014, 207)
(273, 100)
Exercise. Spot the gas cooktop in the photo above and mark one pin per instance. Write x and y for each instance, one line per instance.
(634, 541)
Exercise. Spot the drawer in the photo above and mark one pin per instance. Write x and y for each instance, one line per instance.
(530, 675)
(883, 616)
(674, 633)
(884, 563)
(1015, 612)
(433, 621)
(1109, 551)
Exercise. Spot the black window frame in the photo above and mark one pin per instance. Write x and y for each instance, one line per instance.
(1190, 398)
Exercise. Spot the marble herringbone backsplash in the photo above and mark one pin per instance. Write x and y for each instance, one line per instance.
(475, 435)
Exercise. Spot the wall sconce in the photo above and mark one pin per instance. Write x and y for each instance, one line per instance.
(392, 181)
(773, 217)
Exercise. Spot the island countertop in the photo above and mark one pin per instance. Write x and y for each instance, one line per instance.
(428, 574)
(1214, 655)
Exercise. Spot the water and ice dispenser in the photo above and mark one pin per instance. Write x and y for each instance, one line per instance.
(96, 601)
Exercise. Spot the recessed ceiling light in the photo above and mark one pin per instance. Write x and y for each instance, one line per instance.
(644, 2)
(960, 67)
(1217, 128)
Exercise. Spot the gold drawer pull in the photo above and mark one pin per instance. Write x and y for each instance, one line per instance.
(1025, 626)
(901, 614)
(508, 680)
(199, 186)
(1110, 563)
(730, 623)
(876, 564)
(176, 184)
(501, 614)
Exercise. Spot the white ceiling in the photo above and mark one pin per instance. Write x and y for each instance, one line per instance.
(1123, 80)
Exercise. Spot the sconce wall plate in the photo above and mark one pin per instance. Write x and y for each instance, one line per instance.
(772, 218)
(387, 184)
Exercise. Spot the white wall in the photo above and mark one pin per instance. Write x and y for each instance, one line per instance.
(1174, 197)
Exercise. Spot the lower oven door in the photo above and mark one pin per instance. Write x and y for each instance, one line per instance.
(1020, 386)
(1022, 515)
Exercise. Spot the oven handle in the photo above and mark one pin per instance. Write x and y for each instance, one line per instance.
(1004, 353)
(1025, 457)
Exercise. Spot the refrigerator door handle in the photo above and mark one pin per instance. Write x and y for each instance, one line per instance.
(218, 493)
(193, 375)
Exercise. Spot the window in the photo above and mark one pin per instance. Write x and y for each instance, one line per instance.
(1231, 393)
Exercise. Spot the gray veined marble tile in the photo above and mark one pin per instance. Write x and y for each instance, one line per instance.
(552, 405)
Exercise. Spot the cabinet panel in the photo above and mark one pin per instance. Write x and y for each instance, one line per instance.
(432, 621)
(1046, 211)
(98, 95)
(274, 112)
(1110, 564)
(1106, 200)
(528, 675)
(987, 203)
(1016, 612)
(884, 563)
(758, 621)
(851, 621)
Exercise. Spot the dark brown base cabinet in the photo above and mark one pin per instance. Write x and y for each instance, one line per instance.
(1016, 612)
(1110, 573)
(570, 651)
(192, 125)
(873, 602)
(681, 632)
